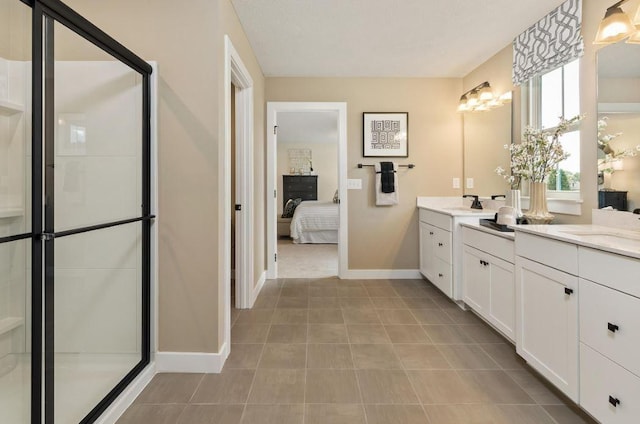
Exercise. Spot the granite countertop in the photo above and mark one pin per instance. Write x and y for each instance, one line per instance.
(477, 226)
(608, 239)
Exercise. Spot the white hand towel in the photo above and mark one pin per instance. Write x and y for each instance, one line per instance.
(386, 199)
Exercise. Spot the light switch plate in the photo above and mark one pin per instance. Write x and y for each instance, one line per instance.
(354, 184)
(469, 182)
(456, 183)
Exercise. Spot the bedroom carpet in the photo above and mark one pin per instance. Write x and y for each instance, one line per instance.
(310, 260)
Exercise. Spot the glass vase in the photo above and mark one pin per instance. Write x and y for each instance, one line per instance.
(538, 212)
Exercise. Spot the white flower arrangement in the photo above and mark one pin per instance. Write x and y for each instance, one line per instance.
(537, 155)
(606, 164)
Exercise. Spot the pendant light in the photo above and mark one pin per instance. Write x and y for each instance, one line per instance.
(615, 25)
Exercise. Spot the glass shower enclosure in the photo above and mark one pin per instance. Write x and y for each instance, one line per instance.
(75, 215)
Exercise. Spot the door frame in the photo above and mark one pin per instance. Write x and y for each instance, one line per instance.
(236, 73)
(273, 108)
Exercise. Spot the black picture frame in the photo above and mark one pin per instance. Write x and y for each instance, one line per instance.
(377, 130)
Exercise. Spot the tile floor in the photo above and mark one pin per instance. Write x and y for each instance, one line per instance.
(331, 351)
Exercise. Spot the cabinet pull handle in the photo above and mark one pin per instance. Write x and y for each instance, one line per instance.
(440, 275)
(440, 244)
(430, 233)
(614, 401)
(568, 291)
(612, 327)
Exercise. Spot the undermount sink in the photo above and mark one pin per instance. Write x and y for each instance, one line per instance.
(608, 237)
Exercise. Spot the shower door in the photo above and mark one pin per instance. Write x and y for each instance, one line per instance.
(75, 215)
(15, 214)
(96, 216)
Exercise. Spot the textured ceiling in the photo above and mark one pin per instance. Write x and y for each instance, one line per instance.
(382, 38)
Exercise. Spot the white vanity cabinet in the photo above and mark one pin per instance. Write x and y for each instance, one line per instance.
(435, 250)
(441, 246)
(609, 336)
(488, 277)
(547, 309)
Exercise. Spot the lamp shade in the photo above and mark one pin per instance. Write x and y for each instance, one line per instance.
(486, 93)
(615, 26)
(635, 37)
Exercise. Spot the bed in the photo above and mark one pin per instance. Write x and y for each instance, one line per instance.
(315, 222)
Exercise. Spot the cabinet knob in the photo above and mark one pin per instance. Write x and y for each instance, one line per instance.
(614, 401)
(568, 291)
(430, 233)
(440, 244)
(612, 327)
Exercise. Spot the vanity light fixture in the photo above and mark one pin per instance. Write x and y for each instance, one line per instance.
(615, 26)
(481, 98)
(635, 38)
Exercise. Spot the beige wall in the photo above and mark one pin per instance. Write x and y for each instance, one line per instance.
(387, 237)
(325, 165)
(187, 43)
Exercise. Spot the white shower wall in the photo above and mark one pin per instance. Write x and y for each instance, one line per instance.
(98, 180)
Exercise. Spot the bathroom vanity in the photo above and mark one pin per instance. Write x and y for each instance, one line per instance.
(441, 240)
(578, 313)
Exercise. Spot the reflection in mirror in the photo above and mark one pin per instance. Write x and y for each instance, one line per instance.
(485, 135)
(619, 126)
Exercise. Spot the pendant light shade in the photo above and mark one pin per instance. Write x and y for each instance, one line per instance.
(635, 38)
(615, 26)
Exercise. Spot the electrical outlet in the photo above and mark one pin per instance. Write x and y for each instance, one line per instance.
(354, 184)
(469, 182)
(456, 183)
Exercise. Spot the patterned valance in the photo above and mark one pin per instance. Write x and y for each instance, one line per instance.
(553, 41)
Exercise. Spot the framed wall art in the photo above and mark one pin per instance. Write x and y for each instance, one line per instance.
(385, 134)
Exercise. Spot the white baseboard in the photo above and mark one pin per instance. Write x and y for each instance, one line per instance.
(126, 398)
(192, 362)
(377, 274)
(258, 287)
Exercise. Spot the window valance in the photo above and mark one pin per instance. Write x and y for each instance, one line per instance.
(553, 41)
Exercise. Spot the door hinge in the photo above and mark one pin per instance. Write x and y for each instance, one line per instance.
(275, 257)
(238, 207)
(275, 196)
(275, 129)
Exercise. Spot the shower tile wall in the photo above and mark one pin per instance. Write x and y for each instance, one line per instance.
(98, 180)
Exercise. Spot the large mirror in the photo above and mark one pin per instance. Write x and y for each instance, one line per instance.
(619, 126)
(485, 135)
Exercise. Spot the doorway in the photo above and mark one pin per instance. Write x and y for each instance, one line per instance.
(297, 175)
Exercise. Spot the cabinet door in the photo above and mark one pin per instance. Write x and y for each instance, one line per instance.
(502, 309)
(475, 277)
(547, 323)
(426, 250)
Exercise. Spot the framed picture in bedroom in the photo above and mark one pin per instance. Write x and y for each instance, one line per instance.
(385, 134)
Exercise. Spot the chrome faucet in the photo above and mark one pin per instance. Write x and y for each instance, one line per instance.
(476, 203)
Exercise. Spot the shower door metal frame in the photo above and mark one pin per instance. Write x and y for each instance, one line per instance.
(43, 235)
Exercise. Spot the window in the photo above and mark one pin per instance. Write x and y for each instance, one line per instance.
(551, 96)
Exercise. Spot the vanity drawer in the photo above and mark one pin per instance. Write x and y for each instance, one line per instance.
(442, 245)
(440, 220)
(610, 323)
(442, 277)
(494, 245)
(615, 271)
(603, 384)
(553, 253)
